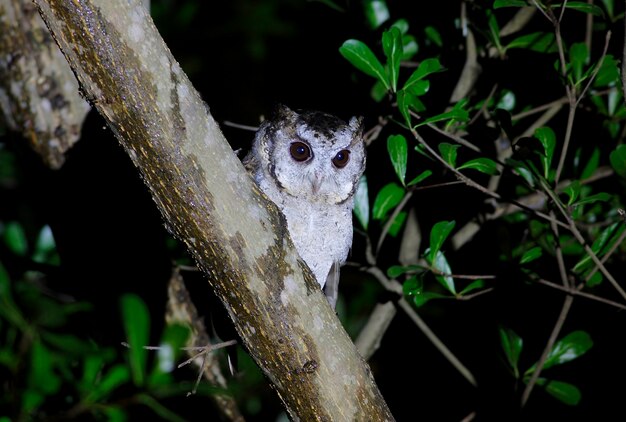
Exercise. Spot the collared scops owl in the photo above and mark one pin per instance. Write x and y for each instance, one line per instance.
(309, 164)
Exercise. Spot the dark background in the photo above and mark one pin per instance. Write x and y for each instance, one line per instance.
(247, 56)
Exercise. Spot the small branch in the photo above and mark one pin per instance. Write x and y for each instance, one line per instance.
(477, 186)
(592, 78)
(408, 309)
(240, 126)
(395, 286)
(517, 22)
(579, 237)
(559, 253)
(567, 304)
(371, 335)
(476, 294)
(607, 255)
(577, 292)
(396, 211)
(540, 108)
(455, 138)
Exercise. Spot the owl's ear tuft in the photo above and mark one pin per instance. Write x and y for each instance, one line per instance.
(282, 112)
(356, 124)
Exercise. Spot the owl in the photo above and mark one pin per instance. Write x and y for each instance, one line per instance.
(309, 164)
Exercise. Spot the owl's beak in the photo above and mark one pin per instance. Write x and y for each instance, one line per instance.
(316, 182)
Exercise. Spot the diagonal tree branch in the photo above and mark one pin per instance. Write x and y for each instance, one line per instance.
(207, 200)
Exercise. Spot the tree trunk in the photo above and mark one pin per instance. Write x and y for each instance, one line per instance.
(207, 200)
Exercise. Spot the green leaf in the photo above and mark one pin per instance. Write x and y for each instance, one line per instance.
(618, 160)
(408, 101)
(118, 414)
(378, 91)
(362, 203)
(581, 7)
(388, 197)
(376, 12)
(422, 298)
(441, 265)
(530, 255)
(438, 234)
(425, 68)
(15, 238)
(601, 245)
(137, 327)
(541, 42)
(483, 165)
(454, 114)
(392, 46)
(402, 25)
(115, 377)
(609, 73)
(413, 286)
(497, 4)
(494, 29)
(609, 6)
(567, 349)
(548, 140)
(448, 152)
(398, 152)
(563, 391)
(397, 223)
(409, 47)
(433, 35)
(476, 284)
(361, 57)
(595, 279)
(419, 88)
(593, 198)
(578, 56)
(45, 247)
(507, 100)
(423, 175)
(42, 375)
(512, 345)
(592, 164)
(572, 191)
(396, 271)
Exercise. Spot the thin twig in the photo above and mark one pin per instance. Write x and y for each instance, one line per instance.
(455, 138)
(240, 126)
(396, 287)
(477, 186)
(576, 292)
(579, 237)
(391, 219)
(539, 109)
(567, 304)
(606, 256)
(607, 39)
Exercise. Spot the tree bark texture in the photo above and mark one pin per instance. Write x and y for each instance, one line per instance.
(39, 95)
(207, 200)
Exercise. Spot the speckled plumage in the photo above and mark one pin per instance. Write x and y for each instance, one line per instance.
(315, 190)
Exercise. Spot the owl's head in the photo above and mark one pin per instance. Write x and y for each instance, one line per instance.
(312, 155)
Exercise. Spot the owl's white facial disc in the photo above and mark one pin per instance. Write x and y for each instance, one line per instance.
(320, 158)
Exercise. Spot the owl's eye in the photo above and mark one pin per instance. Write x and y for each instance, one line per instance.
(300, 151)
(342, 158)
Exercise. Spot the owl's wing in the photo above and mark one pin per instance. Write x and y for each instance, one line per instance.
(331, 288)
